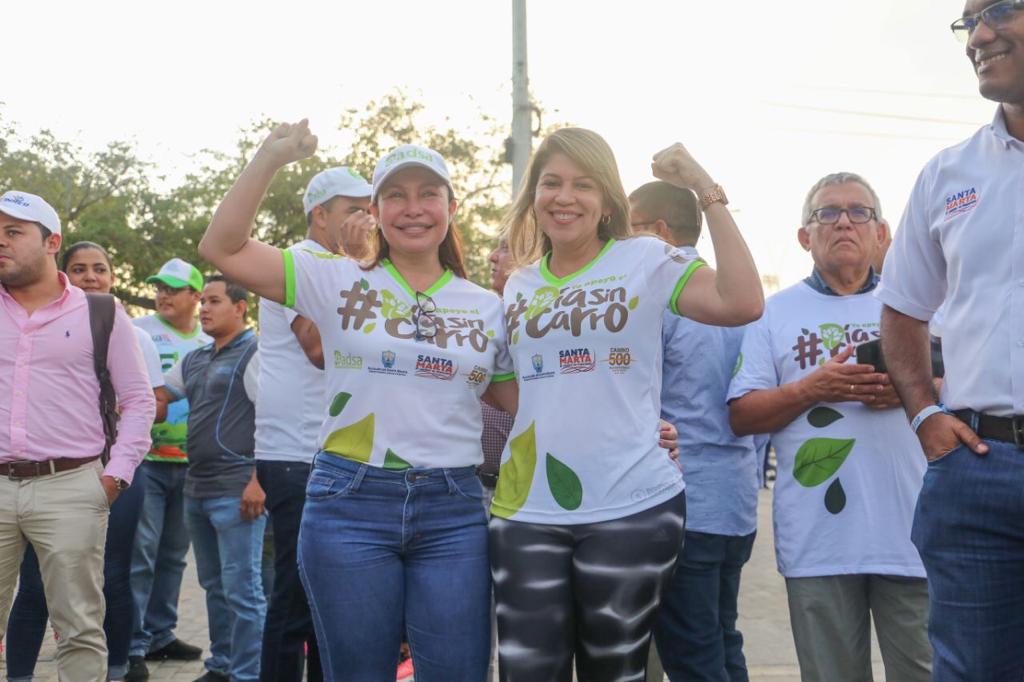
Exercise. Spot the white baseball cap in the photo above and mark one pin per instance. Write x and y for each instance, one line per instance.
(334, 182)
(410, 155)
(25, 206)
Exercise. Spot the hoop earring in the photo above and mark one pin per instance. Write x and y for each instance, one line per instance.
(605, 219)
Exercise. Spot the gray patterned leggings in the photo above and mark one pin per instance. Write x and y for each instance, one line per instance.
(589, 590)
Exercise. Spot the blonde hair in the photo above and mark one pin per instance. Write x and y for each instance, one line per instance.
(588, 150)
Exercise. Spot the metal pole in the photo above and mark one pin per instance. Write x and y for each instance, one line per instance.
(521, 109)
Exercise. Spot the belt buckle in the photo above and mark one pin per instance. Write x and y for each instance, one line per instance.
(14, 475)
(1017, 427)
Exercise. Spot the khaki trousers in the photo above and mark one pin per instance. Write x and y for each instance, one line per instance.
(64, 516)
(831, 621)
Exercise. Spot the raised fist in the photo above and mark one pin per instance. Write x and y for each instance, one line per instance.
(676, 166)
(289, 142)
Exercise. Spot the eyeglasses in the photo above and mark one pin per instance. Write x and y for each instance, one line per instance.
(423, 317)
(996, 16)
(829, 215)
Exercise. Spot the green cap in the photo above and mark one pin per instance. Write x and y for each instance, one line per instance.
(178, 274)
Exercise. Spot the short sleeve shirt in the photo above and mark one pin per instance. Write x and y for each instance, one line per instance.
(588, 355)
(394, 399)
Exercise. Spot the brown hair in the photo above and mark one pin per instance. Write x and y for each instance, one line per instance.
(677, 206)
(591, 153)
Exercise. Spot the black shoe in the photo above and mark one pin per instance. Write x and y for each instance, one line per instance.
(176, 650)
(211, 676)
(137, 670)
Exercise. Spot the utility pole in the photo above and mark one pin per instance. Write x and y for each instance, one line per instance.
(522, 110)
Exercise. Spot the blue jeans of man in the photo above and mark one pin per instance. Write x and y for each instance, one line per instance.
(289, 627)
(696, 631)
(968, 528)
(228, 552)
(379, 548)
(158, 558)
(26, 626)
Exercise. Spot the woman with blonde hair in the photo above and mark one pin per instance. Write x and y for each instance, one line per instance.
(588, 515)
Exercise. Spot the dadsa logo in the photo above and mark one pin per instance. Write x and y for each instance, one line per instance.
(433, 367)
(576, 361)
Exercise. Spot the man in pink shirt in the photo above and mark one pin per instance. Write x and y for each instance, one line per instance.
(54, 492)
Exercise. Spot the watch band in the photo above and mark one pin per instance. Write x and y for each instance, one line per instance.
(928, 411)
(712, 195)
(121, 483)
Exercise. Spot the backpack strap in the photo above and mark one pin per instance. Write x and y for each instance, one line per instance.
(101, 323)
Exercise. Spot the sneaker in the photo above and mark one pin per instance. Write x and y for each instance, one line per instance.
(405, 671)
(176, 650)
(137, 670)
(211, 676)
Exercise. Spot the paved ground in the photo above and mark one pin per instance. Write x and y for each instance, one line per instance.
(764, 620)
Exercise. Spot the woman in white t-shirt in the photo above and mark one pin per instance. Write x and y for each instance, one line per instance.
(588, 515)
(393, 532)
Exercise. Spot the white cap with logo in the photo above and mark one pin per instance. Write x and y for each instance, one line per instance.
(25, 206)
(410, 155)
(334, 182)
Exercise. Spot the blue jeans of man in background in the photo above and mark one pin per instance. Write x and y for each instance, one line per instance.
(381, 548)
(696, 630)
(289, 627)
(228, 551)
(969, 532)
(158, 558)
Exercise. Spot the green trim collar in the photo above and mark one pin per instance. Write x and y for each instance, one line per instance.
(546, 273)
(397, 276)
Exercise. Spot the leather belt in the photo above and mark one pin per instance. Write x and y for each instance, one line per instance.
(1006, 429)
(24, 468)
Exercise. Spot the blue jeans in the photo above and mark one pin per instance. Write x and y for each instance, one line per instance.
(228, 553)
(26, 626)
(158, 558)
(379, 548)
(968, 528)
(289, 626)
(696, 630)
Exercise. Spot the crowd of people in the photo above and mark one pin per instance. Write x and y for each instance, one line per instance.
(459, 476)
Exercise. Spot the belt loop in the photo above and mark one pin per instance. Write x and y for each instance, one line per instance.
(975, 420)
(452, 488)
(357, 481)
(53, 469)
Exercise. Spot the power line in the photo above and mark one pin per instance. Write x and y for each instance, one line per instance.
(871, 114)
(857, 133)
(892, 93)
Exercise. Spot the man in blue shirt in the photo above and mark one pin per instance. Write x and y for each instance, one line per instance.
(696, 631)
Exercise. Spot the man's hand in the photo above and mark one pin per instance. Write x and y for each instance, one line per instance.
(253, 500)
(668, 437)
(288, 142)
(676, 166)
(887, 398)
(110, 488)
(355, 234)
(836, 382)
(941, 433)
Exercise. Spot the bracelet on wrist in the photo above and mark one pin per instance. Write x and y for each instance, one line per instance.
(926, 412)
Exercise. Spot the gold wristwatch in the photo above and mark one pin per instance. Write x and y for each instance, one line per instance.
(712, 195)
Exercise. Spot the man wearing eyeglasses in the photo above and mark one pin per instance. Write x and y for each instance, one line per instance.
(849, 466)
(961, 245)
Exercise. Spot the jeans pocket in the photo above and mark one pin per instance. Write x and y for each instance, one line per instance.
(324, 486)
(945, 455)
(470, 488)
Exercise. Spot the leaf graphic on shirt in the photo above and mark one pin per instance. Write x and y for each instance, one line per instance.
(564, 484)
(364, 284)
(369, 328)
(633, 302)
(739, 364)
(819, 458)
(831, 335)
(515, 476)
(393, 461)
(820, 417)
(835, 497)
(541, 301)
(339, 403)
(515, 337)
(392, 308)
(354, 441)
(490, 333)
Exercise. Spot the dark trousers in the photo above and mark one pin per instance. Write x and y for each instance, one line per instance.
(27, 623)
(696, 630)
(289, 627)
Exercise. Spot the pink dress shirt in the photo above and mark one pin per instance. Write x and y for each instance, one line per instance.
(49, 394)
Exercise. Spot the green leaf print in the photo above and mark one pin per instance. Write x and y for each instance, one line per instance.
(339, 403)
(354, 441)
(491, 334)
(392, 308)
(835, 497)
(393, 461)
(739, 364)
(542, 299)
(634, 302)
(364, 284)
(564, 484)
(831, 335)
(819, 458)
(820, 417)
(515, 337)
(516, 475)
(369, 328)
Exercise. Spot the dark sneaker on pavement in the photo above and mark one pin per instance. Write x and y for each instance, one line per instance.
(137, 670)
(211, 676)
(176, 650)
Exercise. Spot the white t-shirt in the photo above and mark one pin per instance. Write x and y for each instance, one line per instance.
(151, 356)
(394, 401)
(588, 353)
(290, 408)
(848, 476)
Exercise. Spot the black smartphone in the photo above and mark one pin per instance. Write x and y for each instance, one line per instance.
(870, 353)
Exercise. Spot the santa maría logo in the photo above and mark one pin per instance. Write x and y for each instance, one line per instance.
(575, 361)
(961, 202)
(537, 361)
(387, 361)
(433, 367)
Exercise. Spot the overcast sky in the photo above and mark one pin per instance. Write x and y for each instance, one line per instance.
(768, 96)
